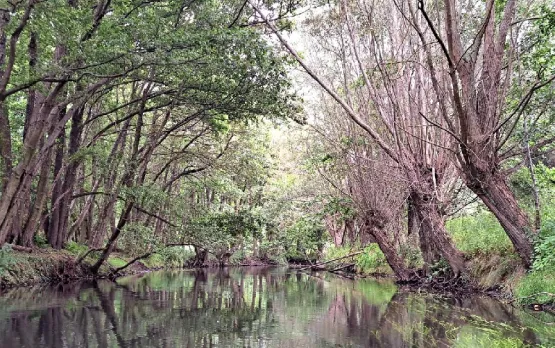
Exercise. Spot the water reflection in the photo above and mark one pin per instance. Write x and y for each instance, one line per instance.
(257, 307)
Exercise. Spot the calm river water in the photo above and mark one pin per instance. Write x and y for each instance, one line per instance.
(258, 307)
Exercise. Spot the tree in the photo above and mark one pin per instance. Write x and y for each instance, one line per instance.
(392, 106)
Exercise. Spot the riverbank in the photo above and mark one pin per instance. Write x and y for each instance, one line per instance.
(45, 265)
(20, 268)
(491, 270)
(255, 306)
(495, 276)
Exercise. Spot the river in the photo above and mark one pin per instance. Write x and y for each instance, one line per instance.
(258, 307)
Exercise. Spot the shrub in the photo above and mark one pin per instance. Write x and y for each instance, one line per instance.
(544, 248)
(154, 261)
(538, 286)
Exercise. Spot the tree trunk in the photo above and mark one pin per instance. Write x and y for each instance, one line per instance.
(493, 190)
(201, 256)
(5, 134)
(70, 175)
(54, 238)
(223, 259)
(5, 146)
(32, 224)
(434, 237)
(375, 227)
(112, 241)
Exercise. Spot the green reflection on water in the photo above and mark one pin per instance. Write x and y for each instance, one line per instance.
(258, 307)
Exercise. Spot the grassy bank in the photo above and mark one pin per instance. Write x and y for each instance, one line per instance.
(491, 260)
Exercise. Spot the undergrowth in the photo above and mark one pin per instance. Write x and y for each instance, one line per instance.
(538, 286)
(480, 233)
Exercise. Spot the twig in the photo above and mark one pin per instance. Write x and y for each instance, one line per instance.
(342, 267)
(80, 259)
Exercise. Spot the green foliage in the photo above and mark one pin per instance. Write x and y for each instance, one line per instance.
(76, 248)
(486, 338)
(175, 256)
(40, 240)
(304, 240)
(154, 261)
(340, 206)
(479, 233)
(372, 260)
(333, 252)
(537, 287)
(411, 254)
(137, 239)
(6, 258)
(544, 248)
(116, 262)
(440, 268)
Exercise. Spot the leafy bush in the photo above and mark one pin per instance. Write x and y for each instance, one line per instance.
(238, 257)
(480, 233)
(411, 255)
(333, 252)
(176, 256)
(544, 248)
(537, 285)
(137, 239)
(169, 257)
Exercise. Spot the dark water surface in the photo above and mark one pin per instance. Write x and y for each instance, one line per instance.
(258, 307)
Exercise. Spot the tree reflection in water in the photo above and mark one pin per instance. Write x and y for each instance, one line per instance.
(256, 307)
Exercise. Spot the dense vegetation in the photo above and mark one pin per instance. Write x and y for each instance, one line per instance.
(181, 133)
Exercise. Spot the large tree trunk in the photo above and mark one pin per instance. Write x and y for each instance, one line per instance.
(69, 177)
(113, 238)
(393, 258)
(5, 146)
(375, 227)
(201, 255)
(5, 134)
(493, 190)
(32, 223)
(54, 238)
(434, 238)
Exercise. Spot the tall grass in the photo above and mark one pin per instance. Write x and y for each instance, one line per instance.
(479, 233)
